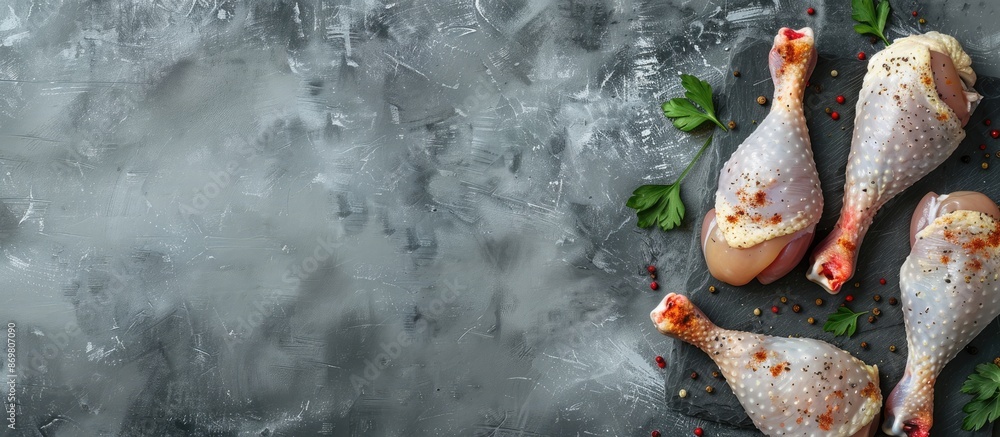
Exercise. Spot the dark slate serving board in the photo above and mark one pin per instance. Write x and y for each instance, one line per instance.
(882, 253)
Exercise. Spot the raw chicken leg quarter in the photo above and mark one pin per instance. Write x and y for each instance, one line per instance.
(915, 99)
(769, 198)
(788, 386)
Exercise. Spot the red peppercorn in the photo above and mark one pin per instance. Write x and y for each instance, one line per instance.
(659, 359)
(881, 281)
(861, 56)
(995, 133)
(849, 298)
(654, 434)
(982, 147)
(774, 309)
(987, 122)
(654, 285)
(835, 115)
(841, 99)
(699, 432)
(651, 269)
(661, 364)
(811, 11)
(914, 13)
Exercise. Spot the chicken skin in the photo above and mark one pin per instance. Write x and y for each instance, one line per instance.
(950, 292)
(915, 100)
(769, 198)
(788, 386)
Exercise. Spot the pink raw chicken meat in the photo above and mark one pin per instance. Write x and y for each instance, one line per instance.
(788, 386)
(769, 198)
(914, 101)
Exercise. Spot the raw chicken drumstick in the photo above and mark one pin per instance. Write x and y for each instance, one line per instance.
(949, 291)
(769, 198)
(914, 101)
(788, 386)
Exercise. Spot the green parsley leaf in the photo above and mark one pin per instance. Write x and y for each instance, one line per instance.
(661, 204)
(683, 112)
(872, 18)
(985, 385)
(843, 321)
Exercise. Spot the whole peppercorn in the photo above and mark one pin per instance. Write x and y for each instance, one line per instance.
(736, 73)
(756, 311)
(892, 348)
(694, 375)
(835, 115)
(811, 321)
(833, 73)
(841, 99)
(881, 281)
(972, 350)
(731, 125)
(864, 345)
(995, 133)
(715, 374)
(996, 361)
(761, 100)
(783, 299)
(876, 311)
(985, 165)
(877, 298)
(709, 389)
(966, 159)
(819, 301)
(862, 56)
(811, 11)
(652, 276)
(871, 319)
(922, 20)
(698, 432)
(857, 285)
(827, 110)
(892, 301)
(711, 289)
(655, 433)
(774, 309)
(849, 298)
(651, 269)
(683, 393)
(796, 308)
(653, 285)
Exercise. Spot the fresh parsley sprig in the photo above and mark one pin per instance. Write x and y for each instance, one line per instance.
(661, 204)
(685, 115)
(843, 321)
(871, 18)
(985, 385)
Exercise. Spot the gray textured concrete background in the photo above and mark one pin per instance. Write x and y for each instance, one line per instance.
(376, 218)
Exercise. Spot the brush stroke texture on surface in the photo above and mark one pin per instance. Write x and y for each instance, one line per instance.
(368, 218)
